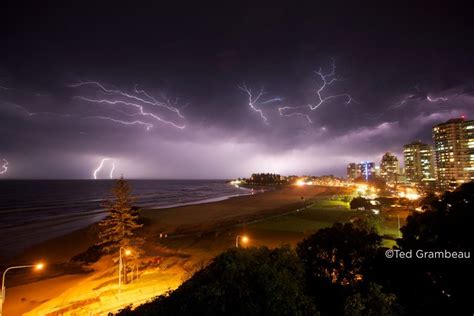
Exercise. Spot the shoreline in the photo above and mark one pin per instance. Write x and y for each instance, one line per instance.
(169, 220)
(195, 232)
(85, 233)
(99, 214)
(198, 202)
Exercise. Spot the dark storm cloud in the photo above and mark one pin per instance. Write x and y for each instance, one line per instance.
(407, 69)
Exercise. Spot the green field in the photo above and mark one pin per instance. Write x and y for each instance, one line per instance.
(323, 213)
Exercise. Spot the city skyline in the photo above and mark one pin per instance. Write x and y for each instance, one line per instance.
(276, 90)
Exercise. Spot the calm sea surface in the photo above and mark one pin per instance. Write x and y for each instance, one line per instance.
(35, 210)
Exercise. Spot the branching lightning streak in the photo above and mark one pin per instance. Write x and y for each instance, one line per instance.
(101, 165)
(139, 107)
(147, 125)
(158, 103)
(4, 166)
(281, 110)
(136, 103)
(328, 79)
(254, 101)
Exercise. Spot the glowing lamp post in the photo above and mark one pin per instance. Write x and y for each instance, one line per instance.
(38, 266)
(243, 239)
(127, 252)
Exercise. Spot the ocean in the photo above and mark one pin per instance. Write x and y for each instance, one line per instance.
(32, 211)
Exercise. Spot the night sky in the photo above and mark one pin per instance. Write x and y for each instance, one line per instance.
(155, 88)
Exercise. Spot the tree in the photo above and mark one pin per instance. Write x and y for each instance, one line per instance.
(369, 222)
(371, 301)
(359, 203)
(118, 228)
(336, 260)
(252, 281)
(437, 286)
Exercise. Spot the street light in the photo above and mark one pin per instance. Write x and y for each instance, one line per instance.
(127, 252)
(244, 239)
(38, 267)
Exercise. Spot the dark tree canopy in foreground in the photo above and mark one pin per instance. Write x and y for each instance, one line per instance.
(239, 282)
(339, 264)
(436, 286)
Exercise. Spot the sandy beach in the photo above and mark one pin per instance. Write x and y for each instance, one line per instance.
(194, 232)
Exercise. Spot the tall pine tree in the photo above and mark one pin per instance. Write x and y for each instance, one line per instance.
(117, 229)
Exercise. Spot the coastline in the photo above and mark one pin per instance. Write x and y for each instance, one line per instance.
(10, 253)
(201, 216)
(197, 232)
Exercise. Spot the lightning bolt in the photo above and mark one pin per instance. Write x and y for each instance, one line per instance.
(132, 100)
(158, 103)
(39, 113)
(282, 110)
(139, 107)
(430, 99)
(327, 80)
(137, 122)
(101, 165)
(255, 103)
(4, 166)
(419, 96)
(112, 170)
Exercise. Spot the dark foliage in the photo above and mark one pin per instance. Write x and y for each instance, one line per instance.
(359, 202)
(118, 229)
(239, 282)
(336, 261)
(91, 255)
(371, 301)
(435, 286)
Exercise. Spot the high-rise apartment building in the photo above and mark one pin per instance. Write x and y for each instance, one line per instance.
(389, 167)
(367, 169)
(454, 152)
(419, 162)
(364, 169)
(352, 172)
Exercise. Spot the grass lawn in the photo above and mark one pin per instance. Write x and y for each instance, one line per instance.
(323, 213)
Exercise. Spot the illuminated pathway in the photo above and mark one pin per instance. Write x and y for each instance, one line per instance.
(98, 295)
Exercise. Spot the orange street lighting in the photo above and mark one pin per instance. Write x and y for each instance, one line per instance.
(127, 252)
(38, 266)
(244, 239)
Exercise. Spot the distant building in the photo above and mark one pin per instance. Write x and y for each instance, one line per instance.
(377, 171)
(389, 167)
(419, 162)
(454, 152)
(367, 169)
(364, 169)
(352, 171)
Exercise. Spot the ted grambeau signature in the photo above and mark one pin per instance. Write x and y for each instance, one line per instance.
(423, 254)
